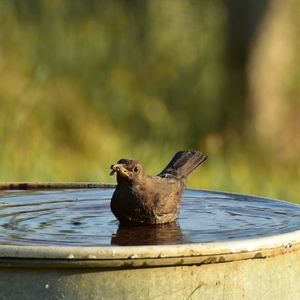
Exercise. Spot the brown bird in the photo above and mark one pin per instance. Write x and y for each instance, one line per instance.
(143, 199)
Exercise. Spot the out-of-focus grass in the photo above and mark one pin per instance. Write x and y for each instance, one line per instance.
(242, 172)
(83, 84)
(234, 169)
(49, 134)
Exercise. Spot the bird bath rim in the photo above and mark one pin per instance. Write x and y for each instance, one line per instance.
(183, 271)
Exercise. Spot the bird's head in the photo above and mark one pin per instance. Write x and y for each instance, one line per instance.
(127, 170)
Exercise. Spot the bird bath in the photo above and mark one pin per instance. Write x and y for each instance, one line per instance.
(60, 241)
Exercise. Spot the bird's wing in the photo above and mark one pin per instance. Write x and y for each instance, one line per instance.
(167, 198)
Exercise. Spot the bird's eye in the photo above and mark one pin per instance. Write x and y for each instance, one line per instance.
(135, 169)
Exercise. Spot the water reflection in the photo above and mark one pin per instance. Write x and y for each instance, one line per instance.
(162, 234)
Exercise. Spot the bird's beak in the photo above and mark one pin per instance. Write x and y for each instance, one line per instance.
(119, 168)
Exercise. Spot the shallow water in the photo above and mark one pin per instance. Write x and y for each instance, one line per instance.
(82, 217)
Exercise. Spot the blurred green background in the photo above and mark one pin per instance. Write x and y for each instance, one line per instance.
(85, 83)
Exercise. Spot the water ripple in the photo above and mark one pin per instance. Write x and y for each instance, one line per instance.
(82, 217)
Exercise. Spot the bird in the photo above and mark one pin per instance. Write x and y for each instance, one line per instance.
(143, 199)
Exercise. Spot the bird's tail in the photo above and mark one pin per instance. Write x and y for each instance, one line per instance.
(183, 164)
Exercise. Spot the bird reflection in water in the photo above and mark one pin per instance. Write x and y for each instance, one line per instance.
(161, 234)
